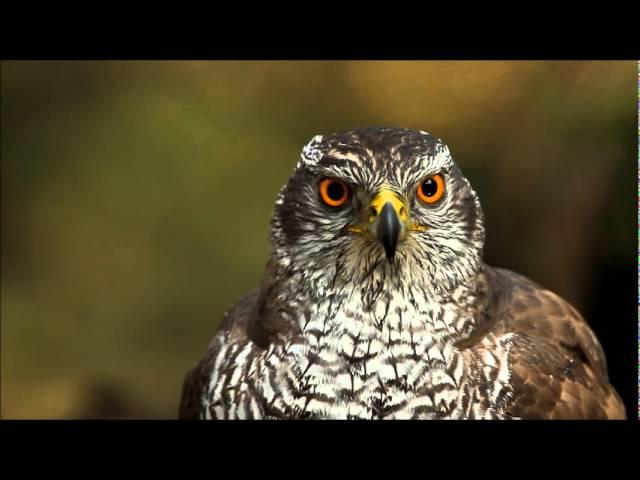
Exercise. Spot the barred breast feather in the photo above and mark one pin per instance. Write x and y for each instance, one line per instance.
(530, 355)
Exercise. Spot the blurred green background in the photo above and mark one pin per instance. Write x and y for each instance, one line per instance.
(136, 199)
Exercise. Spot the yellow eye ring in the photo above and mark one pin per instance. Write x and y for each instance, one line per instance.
(431, 189)
(333, 192)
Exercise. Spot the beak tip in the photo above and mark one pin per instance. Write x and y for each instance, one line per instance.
(390, 251)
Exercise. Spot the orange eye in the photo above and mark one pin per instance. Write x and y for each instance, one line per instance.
(333, 192)
(431, 189)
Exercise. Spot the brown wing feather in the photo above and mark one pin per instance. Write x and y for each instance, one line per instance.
(558, 368)
(234, 325)
(256, 318)
(192, 388)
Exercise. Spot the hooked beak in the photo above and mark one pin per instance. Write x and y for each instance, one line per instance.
(389, 220)
(388, 229)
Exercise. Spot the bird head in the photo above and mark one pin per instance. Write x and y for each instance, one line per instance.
(379, 198)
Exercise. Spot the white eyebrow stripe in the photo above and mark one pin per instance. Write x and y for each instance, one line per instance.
(345, 156)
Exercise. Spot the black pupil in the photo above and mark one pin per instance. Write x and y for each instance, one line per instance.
(429, 187)
(335, 190)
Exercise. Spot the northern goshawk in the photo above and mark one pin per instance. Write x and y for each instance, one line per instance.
(376, 304)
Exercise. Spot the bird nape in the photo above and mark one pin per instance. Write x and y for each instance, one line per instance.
(376, 304)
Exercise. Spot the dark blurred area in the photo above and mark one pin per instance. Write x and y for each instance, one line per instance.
(136, 200)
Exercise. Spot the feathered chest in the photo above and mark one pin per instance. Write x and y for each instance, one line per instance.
(357, 358)
(357, 354)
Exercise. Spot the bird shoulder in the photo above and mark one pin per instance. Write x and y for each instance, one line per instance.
(556, 365)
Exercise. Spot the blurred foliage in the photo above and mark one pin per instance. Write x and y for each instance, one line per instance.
(136, 198)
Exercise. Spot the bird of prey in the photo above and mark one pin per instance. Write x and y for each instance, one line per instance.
(376, 304)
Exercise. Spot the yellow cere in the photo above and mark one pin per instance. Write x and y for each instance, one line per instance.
(381, 199)
(378, 203)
